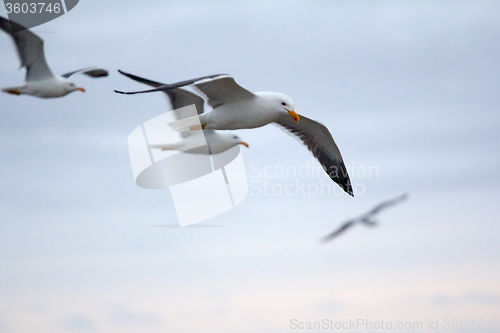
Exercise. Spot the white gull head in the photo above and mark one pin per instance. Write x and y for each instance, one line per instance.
(67, 86)
(230, 138)
(279, 103)
(220, 141)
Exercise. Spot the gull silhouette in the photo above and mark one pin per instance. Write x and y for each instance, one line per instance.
(366, 218)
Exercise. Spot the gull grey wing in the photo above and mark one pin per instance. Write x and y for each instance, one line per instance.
(142, 80)
(92, 72)
(178, 98)
(222, 90)
(387, 204)
(30, 50)
(166, 87)
(339, 231)
(320, 143)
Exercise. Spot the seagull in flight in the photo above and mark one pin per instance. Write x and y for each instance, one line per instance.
(40, 81)
(366, 218)
(234, 107)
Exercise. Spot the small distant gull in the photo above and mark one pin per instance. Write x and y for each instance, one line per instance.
(234, 108)
(217, 142)
(40, 81)
(366, 218)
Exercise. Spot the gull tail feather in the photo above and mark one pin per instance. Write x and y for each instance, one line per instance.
(167, 146)
(186, 124)
(13, 90)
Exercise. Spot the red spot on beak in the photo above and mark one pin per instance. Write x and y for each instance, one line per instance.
(293, 114)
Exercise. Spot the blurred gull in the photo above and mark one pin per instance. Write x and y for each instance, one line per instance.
(217, 142)
(40, 81)
(366, 218)
(234, 107)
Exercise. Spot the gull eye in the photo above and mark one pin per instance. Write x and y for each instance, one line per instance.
(283, 103)
(235, 137)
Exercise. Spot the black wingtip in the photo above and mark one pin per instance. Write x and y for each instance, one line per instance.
(160, 86)
(343, 180)
(338, 173)
(348, 188)
(124, 73)
(97, 73)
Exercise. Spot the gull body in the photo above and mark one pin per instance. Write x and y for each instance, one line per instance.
(40, 81)
(263, 109)
(217, 142)
(237, 108)
(50, 87)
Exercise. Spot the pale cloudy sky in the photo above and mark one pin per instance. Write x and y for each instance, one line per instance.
(408, 87)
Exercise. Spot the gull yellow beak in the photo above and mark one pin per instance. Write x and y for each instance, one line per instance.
(81, 89)
(244, 144)
(293, 114)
